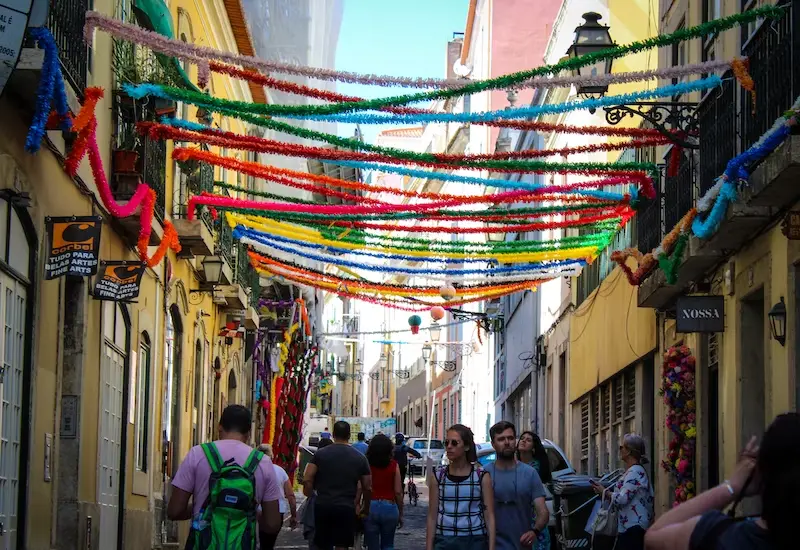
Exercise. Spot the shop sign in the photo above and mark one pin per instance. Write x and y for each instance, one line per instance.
(700, 314)
(118, 281)
(791, 225)
(13, 24)
(74, 245)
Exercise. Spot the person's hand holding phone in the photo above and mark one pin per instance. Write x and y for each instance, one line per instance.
(746, 469)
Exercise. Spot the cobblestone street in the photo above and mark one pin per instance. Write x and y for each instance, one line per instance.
(410, 537)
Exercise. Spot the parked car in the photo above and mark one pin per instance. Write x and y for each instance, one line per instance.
(559, 466)
(420, 444)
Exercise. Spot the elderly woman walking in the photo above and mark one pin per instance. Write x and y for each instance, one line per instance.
(632, 495)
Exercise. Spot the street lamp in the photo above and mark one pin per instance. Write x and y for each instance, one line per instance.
(777, 322)
(591, 37)
(673, 119)
(212, 268)
(435, 331)
(426, 352)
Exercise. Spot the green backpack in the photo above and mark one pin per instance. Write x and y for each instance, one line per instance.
(227, 520)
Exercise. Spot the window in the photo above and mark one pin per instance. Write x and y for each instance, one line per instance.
(436, 421)
(585, 435)
(143, 403)
(444, 414)
(712, 9)
(749, 29)
(198, 394)
(679, 56)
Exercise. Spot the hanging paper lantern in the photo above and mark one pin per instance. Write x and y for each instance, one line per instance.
(437, 313)
(414, 322)
(447, 291)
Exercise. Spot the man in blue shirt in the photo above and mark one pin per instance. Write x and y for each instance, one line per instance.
(361, 444)
(325, 434)
(518, 491)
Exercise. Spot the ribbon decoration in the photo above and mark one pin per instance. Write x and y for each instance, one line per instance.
(451, 88)
(50, 89)
(322, 113)
(143, 198)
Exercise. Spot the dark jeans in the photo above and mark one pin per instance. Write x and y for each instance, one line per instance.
(467, 542)
(631, 539)
(380, 525)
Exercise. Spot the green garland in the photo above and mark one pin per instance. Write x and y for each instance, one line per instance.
(669, 264)
(510, 80)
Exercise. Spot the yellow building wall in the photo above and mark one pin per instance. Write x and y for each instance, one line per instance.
(608, 332)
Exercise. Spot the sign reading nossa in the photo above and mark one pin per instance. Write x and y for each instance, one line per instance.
(700, 314)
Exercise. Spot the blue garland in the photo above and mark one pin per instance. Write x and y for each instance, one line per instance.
(51, 86)
(269, 239)
(737, 169)
(426, 174)
(239, 232)
(506, 114)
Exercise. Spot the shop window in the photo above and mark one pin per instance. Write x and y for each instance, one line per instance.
(143, 403)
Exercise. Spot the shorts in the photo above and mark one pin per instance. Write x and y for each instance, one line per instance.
(335, 526)
(466, 542)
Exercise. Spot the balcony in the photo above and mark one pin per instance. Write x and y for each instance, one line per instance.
(65, 21)
(728, 125)
(196, 235)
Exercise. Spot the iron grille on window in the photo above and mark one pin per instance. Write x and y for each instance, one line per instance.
(630, 392)
(585, 429)
(618, 392)
(65, 21)
(595, 412)
(605, 391)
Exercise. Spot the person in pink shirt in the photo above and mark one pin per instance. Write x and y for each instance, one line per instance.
(192, 479)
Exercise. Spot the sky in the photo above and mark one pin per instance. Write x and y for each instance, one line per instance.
(396, 38)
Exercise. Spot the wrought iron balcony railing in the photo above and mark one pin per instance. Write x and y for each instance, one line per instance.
(151, 155)
(243, 269)
(65, 21)
(224, 241)
(719, 139)
(195, 178)
(679, 190)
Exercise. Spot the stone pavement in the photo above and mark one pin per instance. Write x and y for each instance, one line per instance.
(410, 537)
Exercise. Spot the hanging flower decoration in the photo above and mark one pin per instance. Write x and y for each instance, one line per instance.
(678, 391)
(414, 322)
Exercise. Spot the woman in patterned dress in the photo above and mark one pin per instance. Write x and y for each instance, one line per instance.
(632, 495)
(530, 451)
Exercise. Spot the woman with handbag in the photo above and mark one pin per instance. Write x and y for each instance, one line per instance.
(631, 499)
(771, 471)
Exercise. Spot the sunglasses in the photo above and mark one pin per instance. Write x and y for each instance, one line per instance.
(451, 443)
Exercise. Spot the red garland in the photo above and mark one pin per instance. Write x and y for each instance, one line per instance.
(274, 174)
(230, 140)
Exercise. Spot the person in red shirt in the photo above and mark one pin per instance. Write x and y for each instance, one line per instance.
(386, 509)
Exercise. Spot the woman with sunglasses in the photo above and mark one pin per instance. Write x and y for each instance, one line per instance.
(632, 495)
(461, 500)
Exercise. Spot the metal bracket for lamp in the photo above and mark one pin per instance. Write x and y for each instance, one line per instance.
(672, 119)
(447, 366)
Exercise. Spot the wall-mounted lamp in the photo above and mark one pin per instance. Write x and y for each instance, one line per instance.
(426, 352)
(212, 267)
(435, 332)
(777, 322)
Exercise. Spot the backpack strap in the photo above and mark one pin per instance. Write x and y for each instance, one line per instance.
(213, 457)
(252, 462)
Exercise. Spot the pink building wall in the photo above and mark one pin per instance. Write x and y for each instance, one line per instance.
(520, 30)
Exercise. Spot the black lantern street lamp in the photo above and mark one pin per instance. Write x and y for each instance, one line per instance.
(674, 119)
(591, 37)
(777, 322)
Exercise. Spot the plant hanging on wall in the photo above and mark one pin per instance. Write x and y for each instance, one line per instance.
(678, 391)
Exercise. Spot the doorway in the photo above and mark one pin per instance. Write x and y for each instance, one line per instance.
(752, 386)
(111, 443)
(17, 259)
(709, 430)
(172, 397)
(232, 399)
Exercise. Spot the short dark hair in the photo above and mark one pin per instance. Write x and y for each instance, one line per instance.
(361, 436)
(500, 427)
(341, 430)
(236, 418)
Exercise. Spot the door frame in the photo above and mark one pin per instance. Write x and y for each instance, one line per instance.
(26, 420)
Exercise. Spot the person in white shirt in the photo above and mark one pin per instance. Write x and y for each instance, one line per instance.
(286, 503)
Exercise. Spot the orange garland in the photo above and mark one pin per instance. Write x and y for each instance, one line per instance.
(741, 71)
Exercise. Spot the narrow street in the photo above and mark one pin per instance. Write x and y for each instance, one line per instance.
(410, 537)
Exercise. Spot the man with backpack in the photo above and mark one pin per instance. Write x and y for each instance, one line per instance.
(401, 452)
(226, 480)
(332, 478)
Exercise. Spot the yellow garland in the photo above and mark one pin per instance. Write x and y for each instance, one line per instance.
(311, 236)
(273, 397)
(410, 293)
(273, 409)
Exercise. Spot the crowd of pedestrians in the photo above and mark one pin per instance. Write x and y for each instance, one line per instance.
(230, 491)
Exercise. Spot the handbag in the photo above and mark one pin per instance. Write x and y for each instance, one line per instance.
(606, 519)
